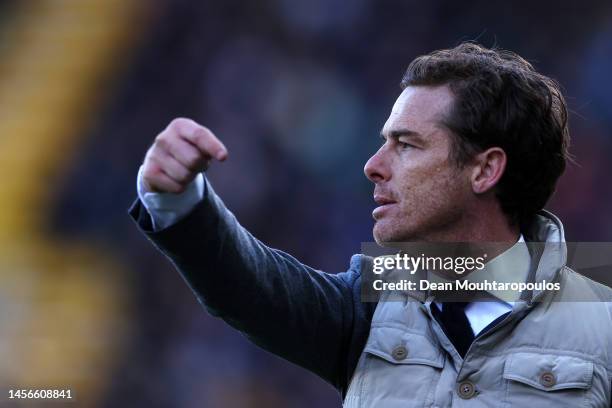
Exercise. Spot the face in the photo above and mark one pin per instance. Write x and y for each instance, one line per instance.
(419, 190)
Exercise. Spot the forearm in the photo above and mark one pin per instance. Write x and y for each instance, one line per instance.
(281, 304)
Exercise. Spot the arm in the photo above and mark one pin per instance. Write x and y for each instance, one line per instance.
(286, 307)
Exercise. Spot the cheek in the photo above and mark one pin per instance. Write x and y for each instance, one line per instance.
(418, 181)
(432, 188)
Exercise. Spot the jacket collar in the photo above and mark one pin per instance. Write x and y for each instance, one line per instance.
(546, 242)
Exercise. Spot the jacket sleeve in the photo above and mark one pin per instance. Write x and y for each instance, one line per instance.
(299, 313)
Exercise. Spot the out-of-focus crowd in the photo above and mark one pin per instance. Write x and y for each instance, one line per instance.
(298, 92)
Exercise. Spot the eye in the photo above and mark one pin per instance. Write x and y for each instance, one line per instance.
(404, 145)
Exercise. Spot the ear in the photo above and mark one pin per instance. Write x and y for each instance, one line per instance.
(488, 169)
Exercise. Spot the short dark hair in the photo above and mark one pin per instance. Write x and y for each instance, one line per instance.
(500, 100)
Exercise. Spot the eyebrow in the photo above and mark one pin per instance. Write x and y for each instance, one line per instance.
(394, 134)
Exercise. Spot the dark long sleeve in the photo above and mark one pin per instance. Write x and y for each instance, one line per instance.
(311, 318)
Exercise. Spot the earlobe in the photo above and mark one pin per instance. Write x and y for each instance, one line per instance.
(489, 168)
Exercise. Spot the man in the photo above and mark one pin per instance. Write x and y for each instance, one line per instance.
(471, 152)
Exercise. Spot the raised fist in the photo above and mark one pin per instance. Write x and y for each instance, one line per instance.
(178, 154)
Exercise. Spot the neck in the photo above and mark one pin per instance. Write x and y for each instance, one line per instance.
(478, 233)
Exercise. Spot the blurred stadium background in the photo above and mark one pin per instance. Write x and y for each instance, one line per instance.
(298, 92)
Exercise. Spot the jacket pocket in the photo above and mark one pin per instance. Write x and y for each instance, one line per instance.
(536, 379)
(399, 369)
(400, 347)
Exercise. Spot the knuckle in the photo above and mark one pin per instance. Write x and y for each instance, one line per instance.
(148, 168)
(152, 161)
(158, 171)
(200, 138)
(151, 173)
(204, 130)
(177, 122)
(180, 125)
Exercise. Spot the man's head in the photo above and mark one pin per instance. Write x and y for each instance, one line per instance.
(475, 131)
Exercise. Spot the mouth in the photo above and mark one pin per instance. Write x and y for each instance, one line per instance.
(384, 203)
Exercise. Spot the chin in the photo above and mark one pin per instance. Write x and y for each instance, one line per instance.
(379, 240)
(379, 234)
(385, 235)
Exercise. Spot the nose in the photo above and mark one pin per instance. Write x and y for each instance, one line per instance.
(376, 169)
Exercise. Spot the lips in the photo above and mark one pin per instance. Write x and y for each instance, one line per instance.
(383, 200)
(384, 203)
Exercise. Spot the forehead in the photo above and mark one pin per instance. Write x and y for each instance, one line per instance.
(419, 108)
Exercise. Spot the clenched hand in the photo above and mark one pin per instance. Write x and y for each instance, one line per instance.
(184, 149)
